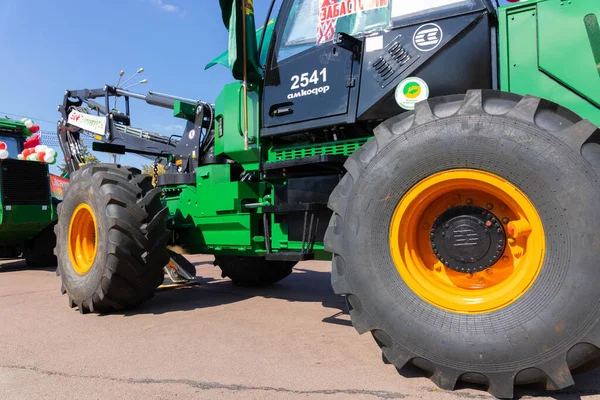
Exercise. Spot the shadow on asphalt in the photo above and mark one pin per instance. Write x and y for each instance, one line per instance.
(19, 265)
(303, 285)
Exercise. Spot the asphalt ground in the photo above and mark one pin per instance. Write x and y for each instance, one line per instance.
(207, 340)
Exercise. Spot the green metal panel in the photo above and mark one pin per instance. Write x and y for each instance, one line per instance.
(184, 110)
(210, 215)
(564, 48)
(19, 223)
(566, 71)
(301, 150)
(229, 134)
(13, 124)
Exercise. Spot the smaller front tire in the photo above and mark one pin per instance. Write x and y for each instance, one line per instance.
(111, 238)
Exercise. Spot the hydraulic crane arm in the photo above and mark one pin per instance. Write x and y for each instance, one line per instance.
(82, 114)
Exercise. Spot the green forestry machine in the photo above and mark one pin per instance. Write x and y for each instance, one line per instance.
(27, 207)
(445, 154)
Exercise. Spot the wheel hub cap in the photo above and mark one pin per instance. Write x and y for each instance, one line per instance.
(467, 239)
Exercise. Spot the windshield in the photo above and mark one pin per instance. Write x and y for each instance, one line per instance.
(12, 145)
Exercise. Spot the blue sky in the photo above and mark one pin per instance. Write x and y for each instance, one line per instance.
(50, 46)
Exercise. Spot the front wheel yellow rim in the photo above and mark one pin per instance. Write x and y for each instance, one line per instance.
(510, 266)
(82, 245)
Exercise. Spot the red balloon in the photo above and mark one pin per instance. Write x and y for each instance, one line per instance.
(2, 146)
(32, 141)
(41, 155)
(28, 152)
(34, 128)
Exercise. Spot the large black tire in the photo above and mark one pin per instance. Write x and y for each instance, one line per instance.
(41, 250)
(537, 146)
(253, 271)
(131, 238)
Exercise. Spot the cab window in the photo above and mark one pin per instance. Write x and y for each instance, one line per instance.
(314, 22)
(301, 29)
(12, 146)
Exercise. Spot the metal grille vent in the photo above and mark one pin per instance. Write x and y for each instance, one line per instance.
(398, 53)
(24, 182)
(393, 60)
(345, 148)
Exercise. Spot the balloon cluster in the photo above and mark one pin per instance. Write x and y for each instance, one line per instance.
(3, 151)
(34, 151)
(33, 128)
(39, 153)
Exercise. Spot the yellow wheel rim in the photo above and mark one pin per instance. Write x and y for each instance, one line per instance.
(518, 263)
(82, 238)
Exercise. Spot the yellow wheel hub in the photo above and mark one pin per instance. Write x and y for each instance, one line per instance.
(82, 239)
(510, 276)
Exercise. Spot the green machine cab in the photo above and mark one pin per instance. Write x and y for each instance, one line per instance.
(27, 212)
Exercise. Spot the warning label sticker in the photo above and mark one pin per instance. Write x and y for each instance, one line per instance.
(332, 10)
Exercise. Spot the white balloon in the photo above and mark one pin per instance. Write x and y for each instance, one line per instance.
(28, 123)
(20, 157)
(3, 154)
(50, 151)
(43, 147)
(48, 158)
(38, 148)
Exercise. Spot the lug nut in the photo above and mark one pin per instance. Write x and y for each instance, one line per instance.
(489, 271)
(469, 275)
(489, 206)
(469, 201)
(505, 258)
(505, 220)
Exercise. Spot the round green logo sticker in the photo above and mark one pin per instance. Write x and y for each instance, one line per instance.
(411, 91)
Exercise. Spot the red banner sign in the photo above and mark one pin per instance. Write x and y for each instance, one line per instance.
(331, 10)
(57, 184)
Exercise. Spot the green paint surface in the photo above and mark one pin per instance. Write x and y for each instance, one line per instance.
(545, 51)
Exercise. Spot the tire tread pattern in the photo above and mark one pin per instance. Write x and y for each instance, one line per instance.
(575, 133)
(137, 238)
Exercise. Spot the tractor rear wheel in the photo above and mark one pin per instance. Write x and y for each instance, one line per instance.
(253, 271)
(111, 238)
(465, 238)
